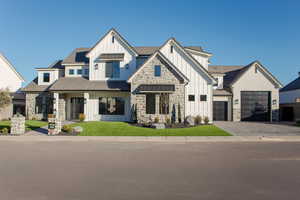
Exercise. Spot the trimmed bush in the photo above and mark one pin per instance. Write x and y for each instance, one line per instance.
(198, 120)
(81, 117)
(156, 120)
(67, 128)
(206, 120)
(168, 120)
(4, 131)
(51, 116)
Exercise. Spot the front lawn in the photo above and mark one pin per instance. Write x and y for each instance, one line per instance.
(124, 129)
(29, 124)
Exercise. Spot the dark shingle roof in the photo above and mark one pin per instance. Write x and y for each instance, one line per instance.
(112, 56)
(82, 84)
(221, 92)
(222, 69)
(34, 87)
(294, 85)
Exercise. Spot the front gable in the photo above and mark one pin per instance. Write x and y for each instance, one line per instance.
(256, 76)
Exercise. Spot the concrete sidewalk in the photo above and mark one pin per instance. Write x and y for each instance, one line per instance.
(153, 138)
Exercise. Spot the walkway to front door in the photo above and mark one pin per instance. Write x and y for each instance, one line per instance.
(258, 128)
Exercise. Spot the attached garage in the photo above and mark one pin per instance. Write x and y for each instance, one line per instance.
(220, 112)
(255, 106)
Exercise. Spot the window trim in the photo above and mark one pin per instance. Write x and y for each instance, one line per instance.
(73, 72)
(79, 70)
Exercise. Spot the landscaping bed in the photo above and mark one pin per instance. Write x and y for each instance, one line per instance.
(101, 128)
(29, 124)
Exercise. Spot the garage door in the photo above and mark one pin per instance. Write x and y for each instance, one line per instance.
(287, 114)
(220, 111)
(255, 106)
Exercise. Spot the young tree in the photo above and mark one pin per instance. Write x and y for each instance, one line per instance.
(5, 98)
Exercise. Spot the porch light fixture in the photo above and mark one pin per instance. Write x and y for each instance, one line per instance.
(96, 66)
(274, 102)
(236, 101)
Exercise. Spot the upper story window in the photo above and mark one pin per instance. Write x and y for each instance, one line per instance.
(71, 71)
(113, 39)
(171, 49)
(112, 69)
(46, 77)
(157, 70)
(79, 71)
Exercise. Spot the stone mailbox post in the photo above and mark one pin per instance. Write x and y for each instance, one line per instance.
(17, 125)
(54, 126)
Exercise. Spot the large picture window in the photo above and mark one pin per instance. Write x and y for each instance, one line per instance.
(111, 106)
(150, 103)
(112, 69)
(38, 105)
(164, 104)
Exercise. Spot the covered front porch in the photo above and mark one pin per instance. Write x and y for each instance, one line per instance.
(95, 105)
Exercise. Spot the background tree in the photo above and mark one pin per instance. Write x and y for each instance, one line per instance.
(5, 98)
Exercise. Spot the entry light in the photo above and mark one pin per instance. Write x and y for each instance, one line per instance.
(274, 102)
(236, 101)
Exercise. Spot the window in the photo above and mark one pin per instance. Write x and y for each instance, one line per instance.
(71, 71)
(256, 69)
(203, 98)
(46, 77)
(171, 49)
(164, 104)
(86, 71)
(150, 103)
(111, 106)
(112, 69)
(157, 70)
(79, 71)
(113, 39)
(191, 97)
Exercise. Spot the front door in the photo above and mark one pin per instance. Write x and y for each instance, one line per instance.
(77, 107)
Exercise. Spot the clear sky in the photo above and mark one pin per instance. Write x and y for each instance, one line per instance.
(36, 33)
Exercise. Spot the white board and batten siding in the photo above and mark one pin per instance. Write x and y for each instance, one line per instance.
(9, 78)
(127, 66)
(54, 75)
(198, 84)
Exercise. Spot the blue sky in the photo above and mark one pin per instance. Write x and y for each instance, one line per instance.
(35, 33)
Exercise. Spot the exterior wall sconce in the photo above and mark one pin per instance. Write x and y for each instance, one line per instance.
(96, 66)
(274, 102)
(236, 101)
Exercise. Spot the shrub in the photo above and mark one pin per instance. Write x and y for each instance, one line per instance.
(206, 120)
(156, 120)
(168, 120)
(51, 116)
(67, 128)
(81, 117)
(33, 118)
(4, 131)
(198, 120)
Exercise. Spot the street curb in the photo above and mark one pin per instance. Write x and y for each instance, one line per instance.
(152, 138)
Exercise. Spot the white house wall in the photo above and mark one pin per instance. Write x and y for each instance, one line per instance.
(8, 78)
(201, 59)
(197, 86)
(289, 96)
(106, 46)
(251, 81)
(54, 74)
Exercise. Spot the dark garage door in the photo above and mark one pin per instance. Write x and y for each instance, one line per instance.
(255, 106)
(220, 111)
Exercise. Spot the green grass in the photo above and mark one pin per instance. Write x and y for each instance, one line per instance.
(124, 129)
(29, 124)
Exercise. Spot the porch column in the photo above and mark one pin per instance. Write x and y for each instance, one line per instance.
(55, 104)
(86, 96)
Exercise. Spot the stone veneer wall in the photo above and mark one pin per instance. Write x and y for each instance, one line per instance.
(17, 125)
(31, 105)
(168, 76)
(62, 108)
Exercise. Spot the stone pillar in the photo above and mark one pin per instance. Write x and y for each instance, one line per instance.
(85, 109)
(54, 126)
(55, 104)
(17, 125)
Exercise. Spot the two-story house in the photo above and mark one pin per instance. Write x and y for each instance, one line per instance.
(118, 82)
(114, 81)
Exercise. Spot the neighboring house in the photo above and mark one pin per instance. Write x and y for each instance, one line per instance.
(118, 82)
(245, 93)
(10, 79)
(290, 101)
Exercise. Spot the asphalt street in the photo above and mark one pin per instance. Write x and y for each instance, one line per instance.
(84, 170)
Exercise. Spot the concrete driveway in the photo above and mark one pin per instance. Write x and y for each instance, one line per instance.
(258, 128)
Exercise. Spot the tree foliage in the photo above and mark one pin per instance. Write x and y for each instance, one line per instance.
(5, 98)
